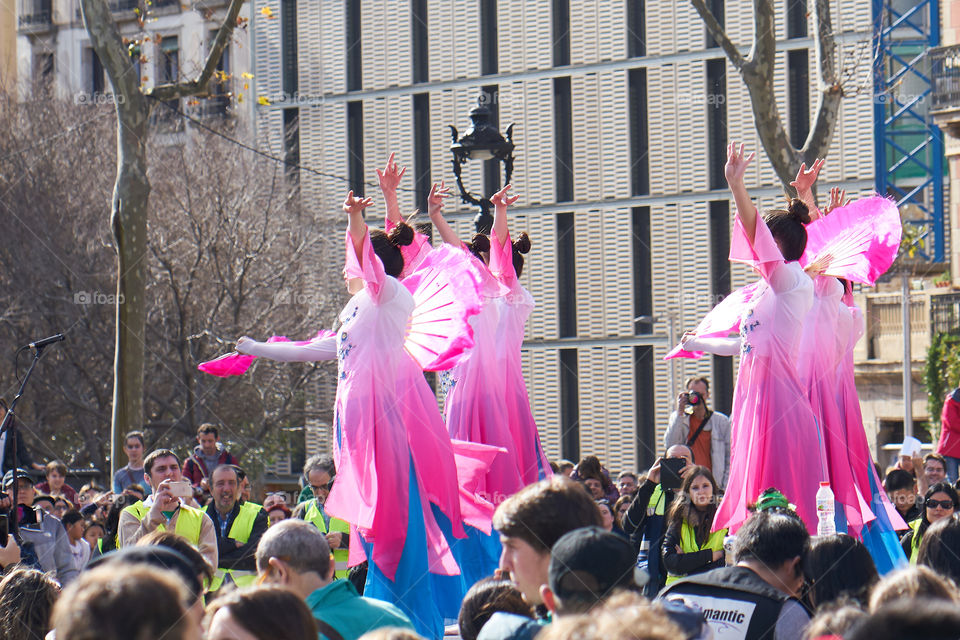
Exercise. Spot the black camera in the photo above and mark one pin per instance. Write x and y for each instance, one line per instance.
(694, 399)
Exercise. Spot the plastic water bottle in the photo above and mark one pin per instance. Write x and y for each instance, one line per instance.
(826, 526)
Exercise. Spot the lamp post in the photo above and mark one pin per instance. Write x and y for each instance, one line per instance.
(482, 141)
(670, 319)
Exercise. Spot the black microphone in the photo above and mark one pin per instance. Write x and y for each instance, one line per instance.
(39, 344)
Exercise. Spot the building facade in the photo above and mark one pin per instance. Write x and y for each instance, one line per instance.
(54, 52)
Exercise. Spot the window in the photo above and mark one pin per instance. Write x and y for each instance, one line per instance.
(421, 148)
(561, 33)
(569, 405)
(796, 18)
(354, 52)
(488, 37)
(291, 144)
(419, 35)
(716, 9)
(723, 377)
(646, 410)
(636, 28)
(639, 141)
(491, 168)
(168, 63)
(642, 270)
(355, 146)
(798, 95)
(566, 276)
(288, 48)
(717, 120)
(563, 137)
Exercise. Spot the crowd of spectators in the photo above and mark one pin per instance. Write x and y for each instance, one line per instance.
(179, 549)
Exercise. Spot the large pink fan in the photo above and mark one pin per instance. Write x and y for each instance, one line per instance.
(862, 239)
(236, 364)
(447, 293)
(722, 320)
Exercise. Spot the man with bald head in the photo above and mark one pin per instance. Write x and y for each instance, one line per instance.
(645, 520)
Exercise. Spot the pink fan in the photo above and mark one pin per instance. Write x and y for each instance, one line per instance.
(447, 293)
(722, 320)
(862, 238)
(236, 364)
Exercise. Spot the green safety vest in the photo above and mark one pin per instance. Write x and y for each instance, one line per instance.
(656, 504)
(688, 544)
(340, 556)
(915, 541)
(189, 521)
(240, 531)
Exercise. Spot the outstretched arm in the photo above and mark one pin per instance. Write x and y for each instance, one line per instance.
(729, 346)
(501, 200)
(389, 179)
(319, 349)
(735, 168)
(354, 207)
(804, 182)
(438, 192)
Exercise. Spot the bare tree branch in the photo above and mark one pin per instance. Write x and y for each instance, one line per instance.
(718, 34)
(199, 86)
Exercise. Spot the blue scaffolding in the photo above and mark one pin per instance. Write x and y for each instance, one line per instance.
(908, 146)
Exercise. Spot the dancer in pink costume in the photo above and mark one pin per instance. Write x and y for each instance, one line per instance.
(474, 406)
(775, 441)
(394, 456)
(506, 264)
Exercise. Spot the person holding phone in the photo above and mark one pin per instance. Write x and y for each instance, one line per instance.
(644, 520)
(168, 508)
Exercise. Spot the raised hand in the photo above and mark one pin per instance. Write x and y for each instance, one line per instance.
(502, 199)
(353, 205)
(737, 163)
(838, 198)
(807, 177)
(438, 192)
(389, 177)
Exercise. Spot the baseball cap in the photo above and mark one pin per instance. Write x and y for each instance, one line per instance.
(8, 477)
(592, 562)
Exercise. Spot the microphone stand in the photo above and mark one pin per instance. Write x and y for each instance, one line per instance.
(9, 426)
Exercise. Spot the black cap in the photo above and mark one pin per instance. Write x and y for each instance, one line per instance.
(592, 562)
(8, 477)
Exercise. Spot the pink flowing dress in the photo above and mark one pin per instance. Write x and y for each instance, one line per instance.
(774, 440)
(385, 419)
(513, 309)
(825, 337)
(474, 406)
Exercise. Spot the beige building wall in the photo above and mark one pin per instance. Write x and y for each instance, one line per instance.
(679, 183)
(8, 43)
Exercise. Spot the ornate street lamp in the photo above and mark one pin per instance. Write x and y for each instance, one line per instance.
(482, 141)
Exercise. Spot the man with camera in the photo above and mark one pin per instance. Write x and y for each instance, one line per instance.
(705, 432)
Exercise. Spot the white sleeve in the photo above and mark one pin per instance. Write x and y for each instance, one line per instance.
(717, 346)
(322, 349)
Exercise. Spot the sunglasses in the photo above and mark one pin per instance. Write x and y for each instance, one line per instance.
(943, 504)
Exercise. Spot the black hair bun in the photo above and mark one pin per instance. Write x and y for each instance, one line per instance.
(480, 243)
(522, 243)
(798, 209)
(402, 235)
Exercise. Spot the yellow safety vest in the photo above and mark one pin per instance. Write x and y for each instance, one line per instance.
(189, 521)
(688, 544)
(340, 556)
(915, 541)
(240, 531)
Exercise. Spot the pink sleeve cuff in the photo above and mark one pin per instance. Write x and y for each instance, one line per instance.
(370, 269)
(764, 254)
(501, 259)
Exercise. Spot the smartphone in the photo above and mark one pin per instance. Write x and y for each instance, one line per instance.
(4, 529)
(670, 473)
(181, 489)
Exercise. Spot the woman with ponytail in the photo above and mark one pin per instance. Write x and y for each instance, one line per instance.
(775, 441)
(396, 475)
(506, 264)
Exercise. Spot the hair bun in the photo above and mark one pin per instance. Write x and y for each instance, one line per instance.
(798, 209)
(480, 243)
(522, 243)
(402, 235)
